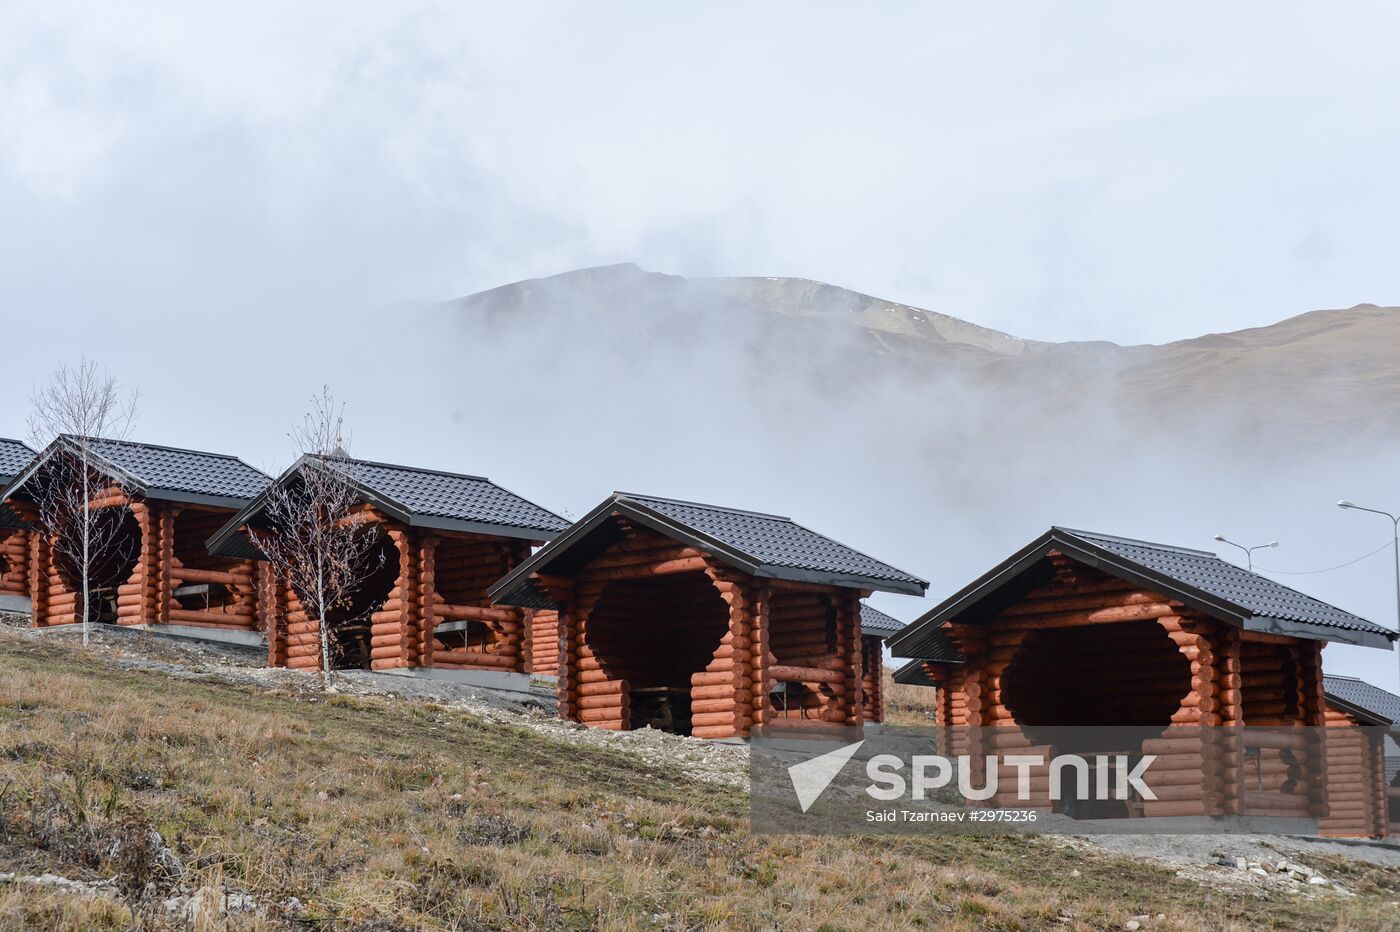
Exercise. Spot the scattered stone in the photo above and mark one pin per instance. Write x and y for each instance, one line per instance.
(1132, 925)
(1317, 880)
(1074, 873)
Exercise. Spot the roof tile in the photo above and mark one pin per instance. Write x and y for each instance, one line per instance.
(447, 495)
(774, 541)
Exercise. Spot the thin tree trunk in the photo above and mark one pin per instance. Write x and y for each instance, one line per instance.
(87, 549)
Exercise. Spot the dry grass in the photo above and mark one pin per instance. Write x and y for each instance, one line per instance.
(388, 814)
(907, 705)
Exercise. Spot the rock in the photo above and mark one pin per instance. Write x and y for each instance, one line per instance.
(1317, 880)
(1074, 873)
(1259, 871)
(1132, 925)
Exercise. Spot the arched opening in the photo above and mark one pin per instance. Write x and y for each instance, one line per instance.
(1096, 689)
(349, 622)
(656, 634)
(115, 543)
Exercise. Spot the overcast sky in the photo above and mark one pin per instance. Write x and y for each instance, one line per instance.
(1061, 171)
(191, 196)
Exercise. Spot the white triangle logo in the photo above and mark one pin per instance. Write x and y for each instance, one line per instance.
(811, 777)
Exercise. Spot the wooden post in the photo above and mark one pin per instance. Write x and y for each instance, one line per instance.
(759, 657)
(427, 592)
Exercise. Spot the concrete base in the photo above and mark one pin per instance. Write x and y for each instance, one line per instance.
(16, 604)
(217, 635)
(500, 680)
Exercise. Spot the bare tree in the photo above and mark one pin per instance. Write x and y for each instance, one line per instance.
(314, 538)
(80, 509)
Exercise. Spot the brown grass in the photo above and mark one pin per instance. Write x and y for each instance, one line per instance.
(390, 814)
(907, 705)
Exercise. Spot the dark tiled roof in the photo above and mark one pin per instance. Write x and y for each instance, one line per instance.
(1209, 574)
(160, 473)
(14, 456)
(774, 541)
(1200, 580)
(876, 623)
(1362, 695)
(192, 472)
(423, 492)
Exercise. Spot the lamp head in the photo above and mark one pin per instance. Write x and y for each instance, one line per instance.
(1345, 504)
(1220, 537)
(1273, 543)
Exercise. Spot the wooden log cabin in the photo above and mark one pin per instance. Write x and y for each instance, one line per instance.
(155, 506)
(875, 627)
(442, 539)
(703, 620)
(1085, 629)
(14, 533)
(1372, 750)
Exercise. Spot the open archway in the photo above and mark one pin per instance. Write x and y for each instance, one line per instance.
(655, 634)
(1096, 689)
(350, 622)
(115, 542)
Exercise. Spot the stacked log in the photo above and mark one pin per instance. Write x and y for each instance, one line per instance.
(872, 678)
(40, 560)
(543, 627)
(1355, 808)
(14, 563)
(394, 629)
(135, 597)
(805, 649)
(729, 664)
(463, 567)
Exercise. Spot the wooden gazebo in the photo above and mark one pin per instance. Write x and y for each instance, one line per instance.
(442, 538)
(1084, 629)
(156, 506)
(704, 620)
(14, 536)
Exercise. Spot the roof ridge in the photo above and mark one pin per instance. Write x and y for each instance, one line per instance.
(1338, 676)
(1118, 538)
(681, 501)
(17, 442)
(169, 449)
(422, 469)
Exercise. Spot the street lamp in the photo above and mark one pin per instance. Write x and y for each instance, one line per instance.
(1395, 541)
(1248, 551)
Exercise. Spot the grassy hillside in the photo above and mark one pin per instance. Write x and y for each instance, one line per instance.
(388, 814)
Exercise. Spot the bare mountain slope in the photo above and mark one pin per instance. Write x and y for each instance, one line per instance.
(1314, 379)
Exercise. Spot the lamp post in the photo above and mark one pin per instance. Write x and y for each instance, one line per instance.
(1395, 542)
(1248, 551)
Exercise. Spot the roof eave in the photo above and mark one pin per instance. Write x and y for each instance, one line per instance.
(1365, 715)
(1265, 624)
(439, 523)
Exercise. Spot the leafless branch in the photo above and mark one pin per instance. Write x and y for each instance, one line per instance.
(315, 538)
(80, 509)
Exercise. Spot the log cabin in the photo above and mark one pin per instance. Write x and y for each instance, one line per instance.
(875, 627)
(155, 506)
(702, 620)
(1352, 702)
(422, 606)
(14, 534)
(1086, 629)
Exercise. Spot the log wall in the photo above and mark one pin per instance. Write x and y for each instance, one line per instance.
(1089, 649)
(650, 614)
(14, 562)
(1357, 799)
(542, 654)
(440, 576)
